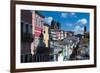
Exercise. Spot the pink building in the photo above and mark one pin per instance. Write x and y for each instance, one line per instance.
(37, 31)
(32, 35)
(32, 28)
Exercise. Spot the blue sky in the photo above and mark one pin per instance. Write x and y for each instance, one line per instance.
(70, 21)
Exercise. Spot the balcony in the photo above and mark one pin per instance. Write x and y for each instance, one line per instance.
(26, 37)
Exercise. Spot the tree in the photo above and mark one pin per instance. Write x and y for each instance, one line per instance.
(55, 24)
(59, 25)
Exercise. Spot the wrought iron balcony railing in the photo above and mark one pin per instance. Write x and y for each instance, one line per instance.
(27, 37)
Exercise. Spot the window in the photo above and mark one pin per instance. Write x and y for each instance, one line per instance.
(23, 28)
(44, 31)
(30, 29)
(26, 26)
(22, 24)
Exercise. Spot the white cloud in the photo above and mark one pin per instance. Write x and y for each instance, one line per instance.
(73, 14)
(68, 14)
(64, 15)
(78, 30)
(82, 21)
(48, 20)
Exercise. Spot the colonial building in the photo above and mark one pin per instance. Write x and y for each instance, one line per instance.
(65, 34)
(38, 28)
(46, 34)
(26, 35)
(62, 35)
(34, 36)
(55, 30)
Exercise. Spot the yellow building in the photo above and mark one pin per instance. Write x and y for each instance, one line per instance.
(46, 35)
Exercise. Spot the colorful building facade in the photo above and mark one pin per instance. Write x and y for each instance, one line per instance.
(26, 31)
(34, 36)
(26, 34)
(38, 28)
(46, 35)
